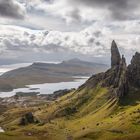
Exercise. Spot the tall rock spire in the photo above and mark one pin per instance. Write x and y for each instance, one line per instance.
(115, 55)
(120, 78)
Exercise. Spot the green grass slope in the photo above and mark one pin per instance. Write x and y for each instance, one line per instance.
(86, 114)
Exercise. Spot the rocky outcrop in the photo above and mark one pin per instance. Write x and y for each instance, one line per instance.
(134, 71)
(93, 81)
(28, 118)
(116, 78)
(115, 55)
(120, 86)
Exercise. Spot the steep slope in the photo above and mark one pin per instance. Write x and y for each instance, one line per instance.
(48, 73)
(106, 107)
(81, 115)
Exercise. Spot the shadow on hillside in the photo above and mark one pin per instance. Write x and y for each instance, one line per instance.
(131, 99)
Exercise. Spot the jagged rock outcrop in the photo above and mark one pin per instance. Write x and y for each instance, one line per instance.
(134, 71)
(115, 55)
(115, 78)
(120, 85)
(120, 78)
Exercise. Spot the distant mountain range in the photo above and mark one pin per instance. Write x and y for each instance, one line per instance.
(38, 73)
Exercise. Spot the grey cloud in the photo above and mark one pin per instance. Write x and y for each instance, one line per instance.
(119, 9)
(75, 14)
(12, 9)
(98, 43)
(97, 34)
(92, 41)
(50, 1)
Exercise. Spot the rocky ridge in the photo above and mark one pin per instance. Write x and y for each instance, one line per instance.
(120, 78)
(134, 71)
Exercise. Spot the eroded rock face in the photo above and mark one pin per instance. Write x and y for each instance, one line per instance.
(134, 71)
(119, 78)
(115, 78)
(115, 55)
(121, 81)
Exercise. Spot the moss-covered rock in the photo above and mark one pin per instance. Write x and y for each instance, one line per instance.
(28, 118)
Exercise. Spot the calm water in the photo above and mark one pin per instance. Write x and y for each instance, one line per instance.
(47, 88)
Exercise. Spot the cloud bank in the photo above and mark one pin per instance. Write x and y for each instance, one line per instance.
(90, 10)
(83, 28)
(93, 41)
(11, 9)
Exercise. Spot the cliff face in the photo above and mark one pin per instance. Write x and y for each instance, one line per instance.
(134, 71)
(116, 76)
(121, 81)
(119, 78)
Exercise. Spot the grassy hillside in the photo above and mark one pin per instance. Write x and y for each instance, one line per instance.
(80, 115)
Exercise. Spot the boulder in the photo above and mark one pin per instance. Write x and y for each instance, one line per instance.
(28, 118)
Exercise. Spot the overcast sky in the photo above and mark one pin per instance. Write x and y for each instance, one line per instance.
(55, 30)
